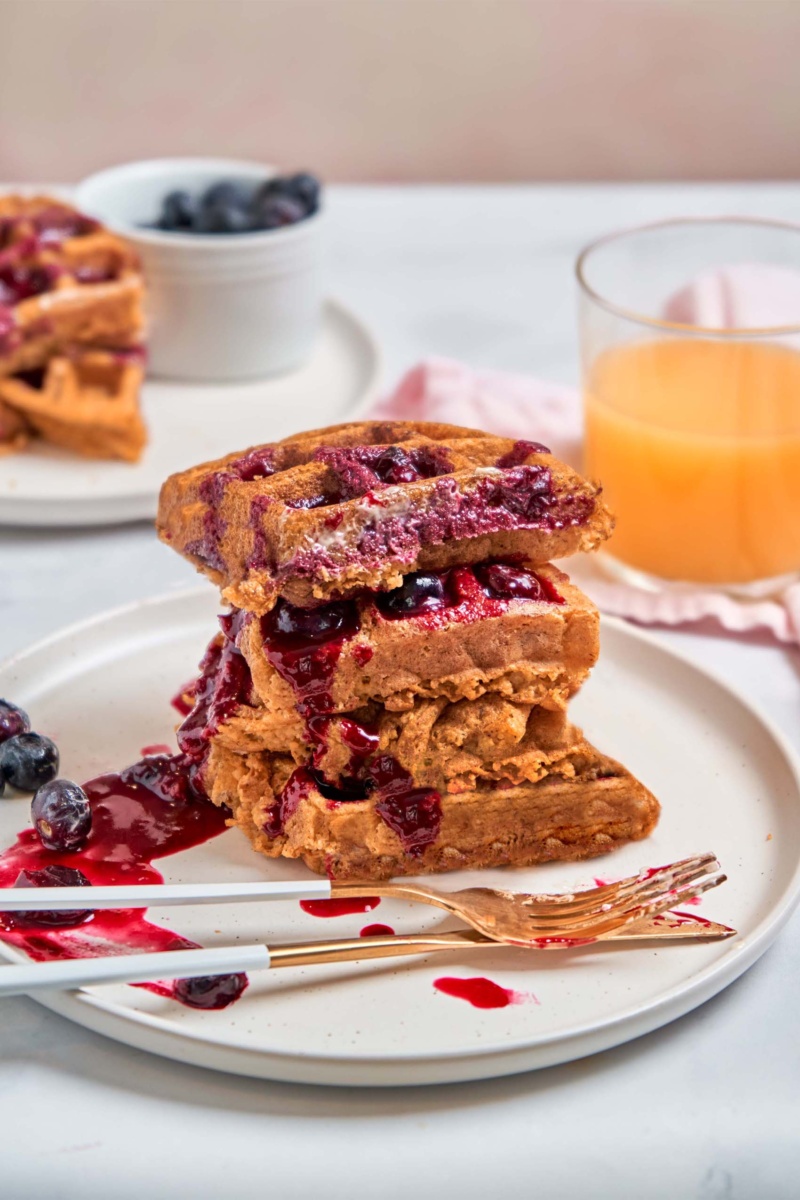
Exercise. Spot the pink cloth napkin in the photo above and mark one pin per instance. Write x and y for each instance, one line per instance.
(515, 406)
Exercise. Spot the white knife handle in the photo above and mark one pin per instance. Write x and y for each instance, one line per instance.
(130, 968)
(145, 895)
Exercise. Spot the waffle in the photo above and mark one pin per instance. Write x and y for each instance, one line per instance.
(533, 651)
(282, 811)
(87, 403)
(64, 281)
(329, 513)
(449, 747)
(14, 432)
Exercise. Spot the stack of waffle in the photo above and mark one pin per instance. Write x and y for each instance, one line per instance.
(71, 357)
(389, 691)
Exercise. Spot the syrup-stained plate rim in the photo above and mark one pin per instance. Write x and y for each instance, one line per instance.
(154, 621)
(347, 358)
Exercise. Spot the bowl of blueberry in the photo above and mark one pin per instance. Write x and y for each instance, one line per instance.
(231, 253)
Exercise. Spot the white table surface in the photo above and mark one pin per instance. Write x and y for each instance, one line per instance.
(706, 1108)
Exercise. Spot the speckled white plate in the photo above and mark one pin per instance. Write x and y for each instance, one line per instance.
(726, 779)
(190, 423)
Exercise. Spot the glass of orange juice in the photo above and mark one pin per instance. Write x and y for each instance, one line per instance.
(690, 341)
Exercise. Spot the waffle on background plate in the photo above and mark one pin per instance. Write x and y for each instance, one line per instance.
(71, 332)
(389, 692)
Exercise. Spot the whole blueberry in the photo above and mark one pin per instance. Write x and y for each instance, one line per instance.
(13, 720)
(210, 991)
(61, 815)
(52, 876)
(28, 760)
(306, 188)
(178, 211)
(418, 593)
(318, 624)
(222, 217)
(226, 192)
(275, 211)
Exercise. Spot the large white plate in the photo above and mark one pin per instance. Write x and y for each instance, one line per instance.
(726, 780)
(189, 423)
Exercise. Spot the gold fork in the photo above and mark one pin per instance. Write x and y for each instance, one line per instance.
(623, 911)
(530, 919)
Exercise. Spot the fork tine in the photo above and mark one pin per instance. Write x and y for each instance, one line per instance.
(617, 919)
(589, 899)
(664, 881)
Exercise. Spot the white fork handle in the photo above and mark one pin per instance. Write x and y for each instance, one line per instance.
(130, 968)
(145, 895)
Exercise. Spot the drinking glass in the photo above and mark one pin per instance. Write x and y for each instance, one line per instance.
(690, 346)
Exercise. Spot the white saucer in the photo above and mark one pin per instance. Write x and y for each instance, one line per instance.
(726, 780)
(190, 423)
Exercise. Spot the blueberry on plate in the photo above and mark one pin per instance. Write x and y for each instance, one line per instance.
(13, 720)
(52, 876)
(177, 212)
(61, 815)
(275, 211)
(210, 991)
(28, 760)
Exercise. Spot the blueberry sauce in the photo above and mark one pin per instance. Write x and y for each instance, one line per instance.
(151, 809)
(183, 700)
(519, 452)
(359, 470)
(21, 281)
(343, 907)
(304, 645)
(464, 593)
(223, 684)
(414, 814)
(377, 930)
(359, 739)
(478, 991)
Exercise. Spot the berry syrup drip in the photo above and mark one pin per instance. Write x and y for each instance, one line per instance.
(414, 814)
(377, 930)
(479, 992)
(362, 469)
(304, 645)
(343, 907)
(361, 741)
(149, 810)
(21, 281)
(519, 452)
(223, 684)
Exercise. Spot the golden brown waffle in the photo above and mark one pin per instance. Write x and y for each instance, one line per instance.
(532, 651)
(14, 432)
(282, 811)
(333, 511)
(64, 281)
(87, 403)
(450, 747)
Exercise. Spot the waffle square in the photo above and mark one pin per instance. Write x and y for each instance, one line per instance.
(64, 281)
(331, 512)
(284, 811)
(87, 403)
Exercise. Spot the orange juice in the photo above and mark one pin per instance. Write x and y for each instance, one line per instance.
(697, 444)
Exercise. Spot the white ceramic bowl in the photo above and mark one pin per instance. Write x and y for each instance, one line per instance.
(220, 306)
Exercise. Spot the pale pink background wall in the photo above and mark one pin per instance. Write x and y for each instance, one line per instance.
(406, 89)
